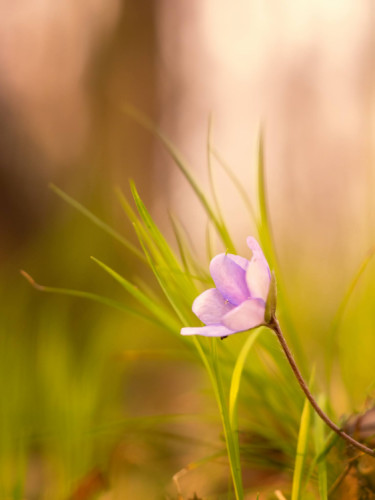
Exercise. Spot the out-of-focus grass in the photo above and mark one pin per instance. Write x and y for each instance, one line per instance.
(68, 370)
(88, 391)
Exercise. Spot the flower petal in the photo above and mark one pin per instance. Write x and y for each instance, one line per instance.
(240, 261)
(208, 331)
(254, 246)
(210, 306)
(247, 315)
(258, 275)
(229, 278)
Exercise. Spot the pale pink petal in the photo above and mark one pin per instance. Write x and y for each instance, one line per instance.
(229, 278)
(258, 275)
(247, 315)
(210, 306)
(254, 247)
(208, 331)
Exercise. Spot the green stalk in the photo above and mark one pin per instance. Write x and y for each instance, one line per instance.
(231, 438)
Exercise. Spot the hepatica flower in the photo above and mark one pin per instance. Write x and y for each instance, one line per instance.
(244, 298)
(238, 302)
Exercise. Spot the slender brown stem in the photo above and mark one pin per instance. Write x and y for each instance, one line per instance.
(274, 325)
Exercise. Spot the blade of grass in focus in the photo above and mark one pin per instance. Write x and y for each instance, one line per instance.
(163, 316)
(90, 296)
(191, 266)
(302, 450)
(237, 374)
(231, 436)
(234, 390)
(320, 445)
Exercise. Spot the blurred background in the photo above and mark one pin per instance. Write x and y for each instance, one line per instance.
(302, 71)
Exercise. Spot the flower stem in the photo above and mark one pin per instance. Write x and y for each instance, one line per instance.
(274, 325)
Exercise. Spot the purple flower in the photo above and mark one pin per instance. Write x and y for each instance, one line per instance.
(238, 302)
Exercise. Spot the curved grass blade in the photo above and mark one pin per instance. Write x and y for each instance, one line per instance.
(157, 237)
(134, 219)
(302, 448)
(163, 285)
(155, 309)
(320, 445)
(164, 263)
(88, 295)
(264, 224)
(231, 437)
(105, 227)
(181, 246)
(234, 390)
(237, 374)
(96, 298)
(145, 122)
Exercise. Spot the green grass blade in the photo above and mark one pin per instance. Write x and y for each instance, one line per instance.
(264, 223)
(98, 222)
(182, 247)
(164, 286)
(87, 295)
(134, 219)
(237, 374)
(231, 437)
(144, 121)
(234, 391)
(165, 250)
(154, 308)
(320, 446)
(302, 448)
(164, 263)
(192, 267)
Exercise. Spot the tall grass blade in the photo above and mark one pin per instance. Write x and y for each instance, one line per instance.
(320, 446)
(157, 237)
(185, 255)
(155, 309)
(237, 374)
(90, 296)
(231, 437)
(98, 222)
(302, 449)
